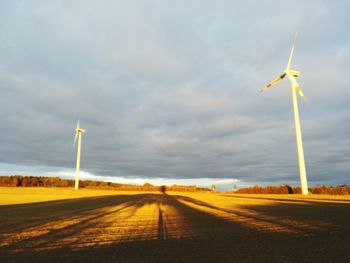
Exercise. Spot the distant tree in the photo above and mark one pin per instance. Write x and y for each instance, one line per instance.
(32, 181)
(14, 181)
(63, 183)
(25, 182)
(5, 181)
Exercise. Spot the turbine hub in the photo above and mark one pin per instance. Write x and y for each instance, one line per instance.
(294, 73)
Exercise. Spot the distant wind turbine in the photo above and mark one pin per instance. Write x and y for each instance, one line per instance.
(78, 133)
(291, 74)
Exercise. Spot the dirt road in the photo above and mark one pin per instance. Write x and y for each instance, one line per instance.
(176, 227)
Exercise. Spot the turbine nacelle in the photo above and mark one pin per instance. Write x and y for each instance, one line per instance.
(79, 130)
(293, 73)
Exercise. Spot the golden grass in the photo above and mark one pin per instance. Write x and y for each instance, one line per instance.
(24, 195)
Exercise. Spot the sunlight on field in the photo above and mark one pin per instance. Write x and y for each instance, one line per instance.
(19, 195)
(237, 208)
(119, 218)
(44, 219)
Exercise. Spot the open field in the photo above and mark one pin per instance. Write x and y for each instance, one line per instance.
(23, 195)
(62, 225)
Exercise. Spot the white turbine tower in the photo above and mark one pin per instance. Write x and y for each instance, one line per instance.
(78, 133)
(291, 74)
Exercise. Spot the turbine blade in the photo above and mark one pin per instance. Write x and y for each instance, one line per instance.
(297, 87)
(291, 52)
(273, 82)
(78, 124)
(75, 138)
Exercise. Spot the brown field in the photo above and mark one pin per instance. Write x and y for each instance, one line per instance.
(63, 225)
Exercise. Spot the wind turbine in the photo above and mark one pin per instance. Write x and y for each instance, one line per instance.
(78, 133)
(292, 74)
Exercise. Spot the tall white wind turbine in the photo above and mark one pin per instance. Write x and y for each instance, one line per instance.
(78, 133)
(292, 74)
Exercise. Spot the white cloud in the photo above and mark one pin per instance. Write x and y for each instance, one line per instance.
(202, 182)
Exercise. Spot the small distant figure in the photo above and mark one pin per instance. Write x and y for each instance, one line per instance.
(163, 189)
(235, 188)
(213, 187)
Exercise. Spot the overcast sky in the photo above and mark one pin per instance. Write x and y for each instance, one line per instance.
(168, 91)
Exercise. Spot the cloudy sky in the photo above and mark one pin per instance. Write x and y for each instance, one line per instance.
(168, 90)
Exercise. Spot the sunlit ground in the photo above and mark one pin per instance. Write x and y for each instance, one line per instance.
(63, 225)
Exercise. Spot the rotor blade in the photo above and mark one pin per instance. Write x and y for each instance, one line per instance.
(75, 138)
(297, 87)
(291, 52)
(78, 124)
(273, 82)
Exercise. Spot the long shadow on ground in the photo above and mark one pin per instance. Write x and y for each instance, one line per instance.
(176, 229)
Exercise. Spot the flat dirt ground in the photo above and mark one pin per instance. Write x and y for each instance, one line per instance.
(63, 225)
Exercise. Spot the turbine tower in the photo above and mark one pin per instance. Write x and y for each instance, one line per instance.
(292, 74)
(78, 132)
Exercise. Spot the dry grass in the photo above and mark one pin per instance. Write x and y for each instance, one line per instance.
(24, 195)
(63, 225)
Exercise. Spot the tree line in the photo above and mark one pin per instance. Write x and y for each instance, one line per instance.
(38, 181)
(286, 189)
